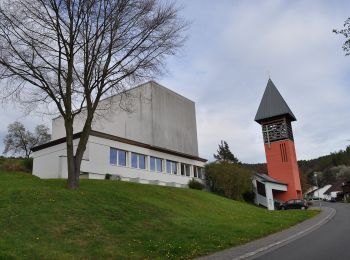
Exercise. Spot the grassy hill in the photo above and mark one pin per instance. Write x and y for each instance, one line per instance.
(113, 219)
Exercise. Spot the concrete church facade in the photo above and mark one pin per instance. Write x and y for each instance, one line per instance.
(148, 137)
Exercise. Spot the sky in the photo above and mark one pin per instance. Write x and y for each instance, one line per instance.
(233, 48)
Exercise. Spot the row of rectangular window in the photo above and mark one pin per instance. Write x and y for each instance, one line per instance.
(138, 161)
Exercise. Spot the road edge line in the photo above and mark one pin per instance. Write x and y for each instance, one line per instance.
(290, 238)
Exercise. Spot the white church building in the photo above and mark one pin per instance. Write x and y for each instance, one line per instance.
(155, 142)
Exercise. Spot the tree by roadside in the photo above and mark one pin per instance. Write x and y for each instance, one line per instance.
(19, 141)
(68, 55)
(224, 154)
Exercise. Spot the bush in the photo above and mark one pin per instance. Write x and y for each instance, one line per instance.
(229, 180)
(108, 176)
(27, 164)
(11, 166)
(249, 196)
(194, 184)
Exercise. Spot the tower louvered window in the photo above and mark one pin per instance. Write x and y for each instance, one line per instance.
(277, 130)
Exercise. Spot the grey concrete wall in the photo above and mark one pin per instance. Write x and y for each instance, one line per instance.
(174, 121)
(158, 116)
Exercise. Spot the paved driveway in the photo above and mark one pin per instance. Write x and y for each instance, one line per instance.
(330, 241)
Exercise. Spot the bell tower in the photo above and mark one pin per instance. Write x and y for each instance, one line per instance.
(275, 118)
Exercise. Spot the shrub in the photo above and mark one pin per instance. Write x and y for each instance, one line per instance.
(12, 166)
(229, 180)
(27, 164)
(108, 176)
(194, 184)
(249, 196)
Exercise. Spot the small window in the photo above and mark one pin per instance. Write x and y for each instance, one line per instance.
(183, 172)
(117, 157)
(174, 167)
(156, 164)
(152, 164)
(171, 167)
(168, 166)
(142, 161)
(195, 171)
(159, 165)
(121, 158)
(200, 173)
(138, 161)
(134, 160)
(185, 169)
(261, 188)
(113, 156)
(188, 169)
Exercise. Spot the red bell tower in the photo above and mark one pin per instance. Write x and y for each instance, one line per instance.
(275, 118)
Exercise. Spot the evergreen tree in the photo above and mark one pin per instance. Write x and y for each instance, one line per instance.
(224, 154)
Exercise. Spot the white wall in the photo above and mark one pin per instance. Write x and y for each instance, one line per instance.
(52, 163)
(320, 192)
(267, 201)
(49, 162)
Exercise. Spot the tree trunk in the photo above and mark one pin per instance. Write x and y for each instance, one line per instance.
(72, 164)
(74, 159)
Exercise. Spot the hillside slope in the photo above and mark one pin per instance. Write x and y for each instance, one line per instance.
(113, 219)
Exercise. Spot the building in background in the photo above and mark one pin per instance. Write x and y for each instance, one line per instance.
(147, 134)
(275, 118)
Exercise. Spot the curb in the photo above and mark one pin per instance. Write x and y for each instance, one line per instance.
(274, 241)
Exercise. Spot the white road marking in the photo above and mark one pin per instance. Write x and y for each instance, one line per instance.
(250, 254)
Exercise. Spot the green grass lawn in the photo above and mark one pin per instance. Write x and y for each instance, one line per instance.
(113, 219)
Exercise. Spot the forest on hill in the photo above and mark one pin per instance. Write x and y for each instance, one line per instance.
(329, 168)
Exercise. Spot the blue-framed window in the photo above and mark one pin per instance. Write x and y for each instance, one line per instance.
(121, 158)
(156, 164)
(142, 161)
(117, 157)
(171, 167)
(159, 165)
(113, 156)
(138, 161)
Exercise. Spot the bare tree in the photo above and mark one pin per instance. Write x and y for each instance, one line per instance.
(346, 33)
(20, 141)
(72, 53)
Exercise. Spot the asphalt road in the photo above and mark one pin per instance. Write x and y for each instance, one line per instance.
(331, 241)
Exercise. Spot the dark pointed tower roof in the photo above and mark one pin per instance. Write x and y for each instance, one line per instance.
(272, 105)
